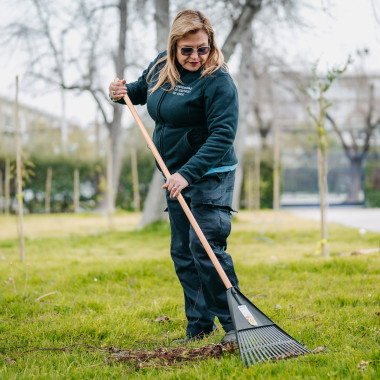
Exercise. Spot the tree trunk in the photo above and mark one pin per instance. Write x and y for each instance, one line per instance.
(64, 127)
(48, 189)
(162, 23)
(322, 175)
(135, 181)
(245, 86)
(1, 193)
(240, 27)
(76, 190)
(248, 186)
(114, 128)
(20, 201)
(114, 131)
(276, 167)
(256, 180)
(154, 208)
(110, 188)
(156, 201)
(325, 252)
(7, 186)
(356, 179)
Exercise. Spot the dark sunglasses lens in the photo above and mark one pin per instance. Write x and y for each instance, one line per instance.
(203, 50)
(186, 50)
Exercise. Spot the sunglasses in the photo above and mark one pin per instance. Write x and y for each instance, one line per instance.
(187, 51)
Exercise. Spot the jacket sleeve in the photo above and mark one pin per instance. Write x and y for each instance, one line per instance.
(221, 107)
(138, 91)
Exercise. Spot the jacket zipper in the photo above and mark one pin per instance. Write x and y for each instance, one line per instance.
(161, 147)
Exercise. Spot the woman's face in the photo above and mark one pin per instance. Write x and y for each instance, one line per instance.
(196, 40)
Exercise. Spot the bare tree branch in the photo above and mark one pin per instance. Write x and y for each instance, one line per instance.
(239, 27)
(338, 132)
(375, 12)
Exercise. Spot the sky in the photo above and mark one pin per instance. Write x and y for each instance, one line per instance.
(350, 25)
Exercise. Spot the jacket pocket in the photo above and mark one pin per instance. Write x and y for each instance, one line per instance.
(180, 152)
(215, 189)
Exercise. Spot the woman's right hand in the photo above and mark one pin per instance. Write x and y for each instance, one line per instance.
(117, 89)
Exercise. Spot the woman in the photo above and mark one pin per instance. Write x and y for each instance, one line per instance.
(193, 101)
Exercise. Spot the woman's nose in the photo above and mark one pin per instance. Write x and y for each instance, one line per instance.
(194, 54)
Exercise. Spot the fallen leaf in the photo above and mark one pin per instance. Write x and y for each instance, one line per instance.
(318, 350)
(362, 365)
(277, 307)
(162, 318)
(378, 313)
(286, 355)
(10, 360)
(356, 253)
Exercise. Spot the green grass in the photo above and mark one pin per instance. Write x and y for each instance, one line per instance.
(108, 287)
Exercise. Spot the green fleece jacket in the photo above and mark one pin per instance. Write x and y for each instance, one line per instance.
(196, 123)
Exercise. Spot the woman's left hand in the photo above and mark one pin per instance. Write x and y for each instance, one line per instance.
(175, 184)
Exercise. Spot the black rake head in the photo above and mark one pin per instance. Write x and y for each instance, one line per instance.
(259, 338)
(267, 343)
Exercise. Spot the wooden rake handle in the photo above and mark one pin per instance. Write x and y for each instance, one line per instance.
(180, 198)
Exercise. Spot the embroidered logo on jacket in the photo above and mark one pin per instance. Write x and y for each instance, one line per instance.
(181, 90)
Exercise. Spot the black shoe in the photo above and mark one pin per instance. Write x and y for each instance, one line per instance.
(230, 338)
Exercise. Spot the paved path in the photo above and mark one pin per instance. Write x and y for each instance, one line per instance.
(367, 218)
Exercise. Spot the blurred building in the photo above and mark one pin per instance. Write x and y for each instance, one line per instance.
(29, 118)
(41, 128)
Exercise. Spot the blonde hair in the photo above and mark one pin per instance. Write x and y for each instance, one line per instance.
(187, 21)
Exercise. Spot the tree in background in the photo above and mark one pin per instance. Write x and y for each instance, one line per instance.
(317, 90)
(156, 199)
(357, 139)
(69, 46)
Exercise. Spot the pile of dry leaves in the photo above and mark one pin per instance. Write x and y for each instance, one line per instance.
(169, 356)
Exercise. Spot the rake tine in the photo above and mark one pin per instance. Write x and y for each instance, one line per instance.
(269, 341)
(296, 344)
(280, 341)
(292, 346)
(251, 353)
(289, 348)
(260, 352)
(255, 348)
(259, 345)
(285, 343)
(271, 347)
(242, 348)
(256, 343)
(264, 343)
(279, 333)
(277, 350)
(244, 351)
(259, 338)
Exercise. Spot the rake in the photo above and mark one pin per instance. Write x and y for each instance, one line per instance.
(259, 338)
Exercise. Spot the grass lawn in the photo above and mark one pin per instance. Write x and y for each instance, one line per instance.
(85, 291)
